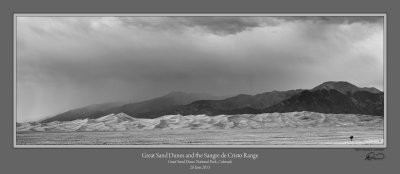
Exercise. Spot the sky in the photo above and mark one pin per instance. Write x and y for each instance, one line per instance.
(70, 62)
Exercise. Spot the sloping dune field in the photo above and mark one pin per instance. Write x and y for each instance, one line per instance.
(294, 128)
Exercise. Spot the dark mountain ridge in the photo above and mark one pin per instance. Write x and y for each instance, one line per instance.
(329, 97)
(344, 87)
(332, 101)
(240, 104)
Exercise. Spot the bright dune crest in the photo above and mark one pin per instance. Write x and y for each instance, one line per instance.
(124, 122)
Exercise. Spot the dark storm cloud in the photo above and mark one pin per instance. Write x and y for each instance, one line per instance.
(217, 25)
(336, 19)
(65, 63)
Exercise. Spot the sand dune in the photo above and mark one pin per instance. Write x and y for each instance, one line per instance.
(123, 122)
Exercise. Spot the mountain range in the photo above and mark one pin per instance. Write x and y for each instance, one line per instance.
(329, 97)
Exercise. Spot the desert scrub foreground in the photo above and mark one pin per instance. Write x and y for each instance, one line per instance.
(269, 136)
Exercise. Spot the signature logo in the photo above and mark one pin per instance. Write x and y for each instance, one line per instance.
(374, 156)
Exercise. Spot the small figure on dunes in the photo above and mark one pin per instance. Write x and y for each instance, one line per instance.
(351, 138)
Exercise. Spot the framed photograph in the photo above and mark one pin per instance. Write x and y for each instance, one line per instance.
(246, 80)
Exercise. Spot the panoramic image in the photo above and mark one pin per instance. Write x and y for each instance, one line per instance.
(199, 81)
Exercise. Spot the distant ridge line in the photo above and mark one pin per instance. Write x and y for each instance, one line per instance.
(328, 97)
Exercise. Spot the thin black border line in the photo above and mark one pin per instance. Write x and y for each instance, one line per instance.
(15, 87)
(191, 12)
(357, 14)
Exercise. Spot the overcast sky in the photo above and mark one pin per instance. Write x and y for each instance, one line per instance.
(69, 62)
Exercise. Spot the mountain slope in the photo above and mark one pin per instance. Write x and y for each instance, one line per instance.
(152, 105)
(332, 101)
(329, 97)
(240, 104)
(344, 87)
(165, 102)
(92, 111)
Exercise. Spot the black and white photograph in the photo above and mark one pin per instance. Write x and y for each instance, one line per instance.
(200, 80)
